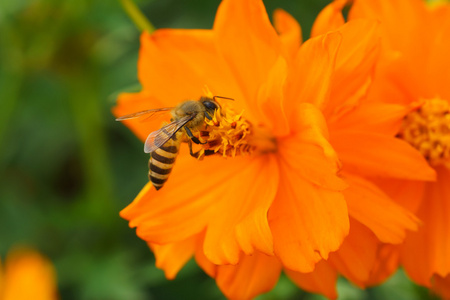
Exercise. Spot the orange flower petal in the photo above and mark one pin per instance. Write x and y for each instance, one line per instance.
(386, 264)
(255, 274)
(401, 19)
(431, 243)
(240, 222)
(289, 31)
(370, 206)
(438, 59)
(397, 82)
(165, 223)
(308, 161)
(406, 36)
(175, 65)
(355, 63)
(382, 118)
(307, 222)
(441, 286)
(248, 43)
(406, 193)
(310, 77)
(233, 224)
(310, 127)
(322, 280)
(270, 100)
(329, 19)
(378, 155)
(356, 48)
(172, 257)
(308, 194)
(356, 256)
(204, 263)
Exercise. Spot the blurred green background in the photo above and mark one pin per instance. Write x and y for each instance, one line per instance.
(67, 168)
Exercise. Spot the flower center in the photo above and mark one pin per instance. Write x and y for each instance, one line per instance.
(230, 134)
(428, 130)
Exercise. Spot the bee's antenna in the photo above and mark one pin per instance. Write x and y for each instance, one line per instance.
(214, 98)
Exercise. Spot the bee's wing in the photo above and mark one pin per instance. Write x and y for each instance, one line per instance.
(150, 112)
(159, 137)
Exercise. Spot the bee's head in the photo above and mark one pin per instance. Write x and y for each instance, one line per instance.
(210, 105)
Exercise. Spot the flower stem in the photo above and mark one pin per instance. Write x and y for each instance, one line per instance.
(13, 75)
(135, 14)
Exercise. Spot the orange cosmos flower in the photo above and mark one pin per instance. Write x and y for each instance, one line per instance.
(27, 275)
(285, 204)
(413, 72)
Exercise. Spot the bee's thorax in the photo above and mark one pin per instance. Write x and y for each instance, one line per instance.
(190, 107)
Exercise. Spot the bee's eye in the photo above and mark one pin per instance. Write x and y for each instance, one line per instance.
(210, 105)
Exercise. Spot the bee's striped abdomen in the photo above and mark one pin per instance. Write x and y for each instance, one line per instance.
(161, 162)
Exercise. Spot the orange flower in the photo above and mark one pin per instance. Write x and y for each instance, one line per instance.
(27, 275)
(230, 198)
(287, 204)
(413, 72)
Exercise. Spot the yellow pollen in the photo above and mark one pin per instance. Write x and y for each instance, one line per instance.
(428, 130)
(227, 134)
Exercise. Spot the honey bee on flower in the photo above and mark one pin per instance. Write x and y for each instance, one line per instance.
(201, 122)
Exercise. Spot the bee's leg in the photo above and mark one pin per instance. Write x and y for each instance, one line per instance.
(190, 148)
(192, 137)
(208, 116)
(194, 155)
(209, 152)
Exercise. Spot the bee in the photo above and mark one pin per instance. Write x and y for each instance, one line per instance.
(164, 143)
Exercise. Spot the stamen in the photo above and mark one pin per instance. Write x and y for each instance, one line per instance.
(229, 134)
(428, 130)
